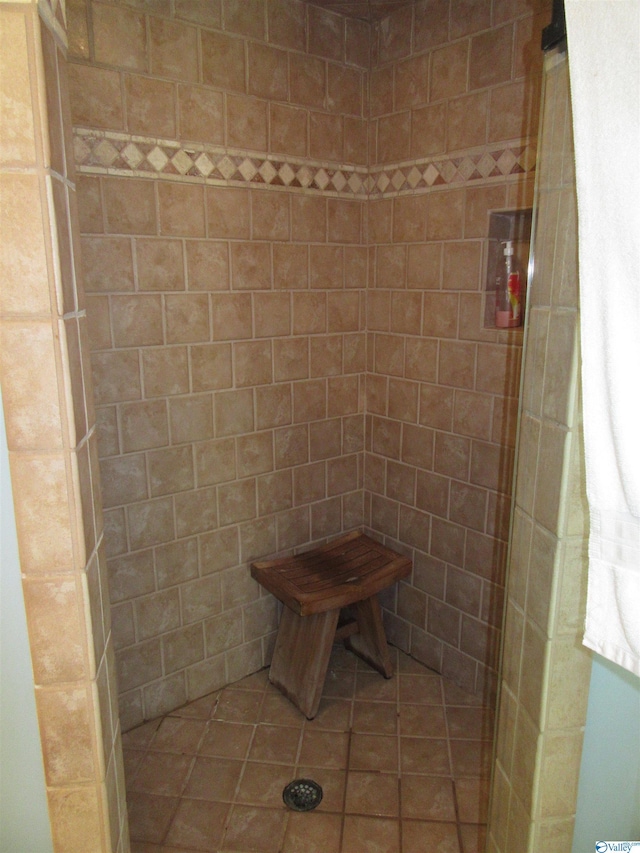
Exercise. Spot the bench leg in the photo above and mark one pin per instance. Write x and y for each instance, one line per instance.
(370, 642)
(301, 657)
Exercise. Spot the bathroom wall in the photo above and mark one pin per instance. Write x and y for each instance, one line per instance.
(225, 271)
(454, 99)
(266, 223)
(545, 668)
(51, 438)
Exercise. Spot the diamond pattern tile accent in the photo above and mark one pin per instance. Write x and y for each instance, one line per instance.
(97, 151)
(105, 153)
(247, 169)
(431, 174)
(304, 176)
(131, 155)
(286, 174)
(339, 181)
(506, 162)
(205, 166)
(157, 158)
(182, 162)
(267, 171)
(486, 165)
(414, 177)
(226, 167)
(321, 179)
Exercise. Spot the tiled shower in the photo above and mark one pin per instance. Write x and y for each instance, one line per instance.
(284, 218)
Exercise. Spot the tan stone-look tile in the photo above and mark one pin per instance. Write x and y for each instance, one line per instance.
(268, 72)
(428, 129)
(257, 829)
(201, 115)
(96, 99)
(223, 61)
(22, 219)
(173, 50)
(246, 17)
(364, 834)
(51, 603)
(247, 121)
(307, 80)
(198, 822)
(43, 507)
(394, 137)
(107, 264)
(287, 24)
(120, 37)
(76, 818)
(66, 717)
(19, 144)
(30, 387)
(316, 833)
(326, 33)
(130, 206)
(150, 106)
(326, 136)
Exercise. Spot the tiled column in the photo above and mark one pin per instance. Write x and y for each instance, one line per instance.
(545, 667)
(51, 437)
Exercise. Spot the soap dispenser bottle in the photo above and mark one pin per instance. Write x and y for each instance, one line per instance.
(508, 290)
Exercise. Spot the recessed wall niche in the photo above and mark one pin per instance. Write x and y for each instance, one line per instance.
(514, 225)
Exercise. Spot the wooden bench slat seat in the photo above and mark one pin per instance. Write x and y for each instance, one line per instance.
(314, 587)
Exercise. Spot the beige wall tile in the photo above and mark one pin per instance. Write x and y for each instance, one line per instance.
(18, 143)
(187, 318)
(394, 138)
(246, 17)
(449, 71)
(268, 72)
(344, 90)
(223, 62)
(233, 412)
(75, 817)
(119, 37)
(247, 120)
(307, 76)
(326, 33)
(412, 82)
(43, 506)
(326, 136)
(490, 57)
(250, 266)
(428, 129)
(67, 733)
(270, 216)
(165, 371)
(200, 114)
(174, 50)
(22, 219)
(137, 320)
(253, 363)
(182, 210)
(151, 107)
(130, 206)
(287, 23)
(30, 388)
(96, 99)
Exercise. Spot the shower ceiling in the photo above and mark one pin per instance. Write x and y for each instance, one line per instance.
(366, 10)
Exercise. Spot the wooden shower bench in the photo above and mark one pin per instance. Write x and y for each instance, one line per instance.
(314, 587)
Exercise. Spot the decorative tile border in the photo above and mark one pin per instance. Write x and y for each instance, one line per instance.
(105, 152)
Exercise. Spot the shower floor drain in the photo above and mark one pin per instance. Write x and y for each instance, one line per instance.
(302, 795)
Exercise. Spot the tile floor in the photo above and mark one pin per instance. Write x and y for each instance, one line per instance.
(404, 765)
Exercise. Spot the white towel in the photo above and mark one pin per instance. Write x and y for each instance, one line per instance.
(604, 66)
